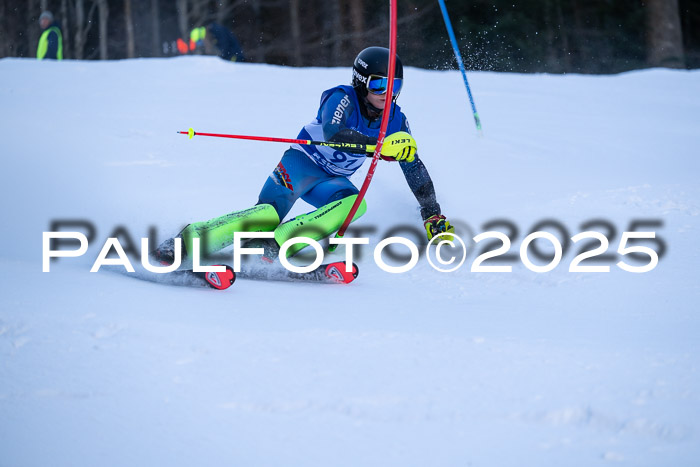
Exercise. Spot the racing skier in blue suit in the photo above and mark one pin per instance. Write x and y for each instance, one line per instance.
(319, 174)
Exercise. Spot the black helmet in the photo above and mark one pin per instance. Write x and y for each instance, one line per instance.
(373, 61)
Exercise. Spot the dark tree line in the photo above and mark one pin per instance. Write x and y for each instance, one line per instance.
(583, 36)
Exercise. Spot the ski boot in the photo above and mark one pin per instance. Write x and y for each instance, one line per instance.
(165, 253)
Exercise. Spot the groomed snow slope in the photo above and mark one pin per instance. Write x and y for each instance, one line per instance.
(422, 368)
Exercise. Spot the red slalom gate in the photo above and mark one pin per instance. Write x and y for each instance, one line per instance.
(384, 123)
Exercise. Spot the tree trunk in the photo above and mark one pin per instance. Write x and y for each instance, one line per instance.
(80, 33)
(4, 43)
(130, 44)
(338, 30)
(259, 52)
(33, 29)
(155, 29)
(357, 21)
(332, 30)
(82, 27)
(103, 12)
(79, 46)
(182, 20)
(550, 33)
(198, 14)
(564, 33)
(66, 29)
(296, 32)
(664, 35)
(580, 37)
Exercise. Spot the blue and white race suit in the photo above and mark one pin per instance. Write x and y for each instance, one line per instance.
(339, 110)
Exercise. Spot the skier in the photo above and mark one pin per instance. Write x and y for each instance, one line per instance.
(319, 174)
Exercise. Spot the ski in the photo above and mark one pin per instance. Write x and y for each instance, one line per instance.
(331, 273)
(216, 280)
(269, 268)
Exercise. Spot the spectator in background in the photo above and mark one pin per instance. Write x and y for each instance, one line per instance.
(51, 40)
(216, 35)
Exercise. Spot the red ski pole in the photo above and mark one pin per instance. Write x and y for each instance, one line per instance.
(347, 147)
(383, 126)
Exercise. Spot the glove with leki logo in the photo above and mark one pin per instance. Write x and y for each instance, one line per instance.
(438, 224)
(399, 146)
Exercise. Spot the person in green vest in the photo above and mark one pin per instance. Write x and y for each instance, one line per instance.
(204, 38)
(51, 40)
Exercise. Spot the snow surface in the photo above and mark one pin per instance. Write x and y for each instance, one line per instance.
(422, 368)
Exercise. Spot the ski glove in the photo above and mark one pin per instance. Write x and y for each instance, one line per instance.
(437, 224)
(399, 146)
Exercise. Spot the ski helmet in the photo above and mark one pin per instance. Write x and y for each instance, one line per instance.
(374, 61)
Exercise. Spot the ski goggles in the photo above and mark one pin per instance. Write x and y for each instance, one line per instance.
(378, 84)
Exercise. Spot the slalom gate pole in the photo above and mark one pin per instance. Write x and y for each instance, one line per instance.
(383, 126)
(347, 147)
(460, 63)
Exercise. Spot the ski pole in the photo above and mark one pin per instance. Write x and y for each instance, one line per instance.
(347, 147)
(382, 127)
(460, 63)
